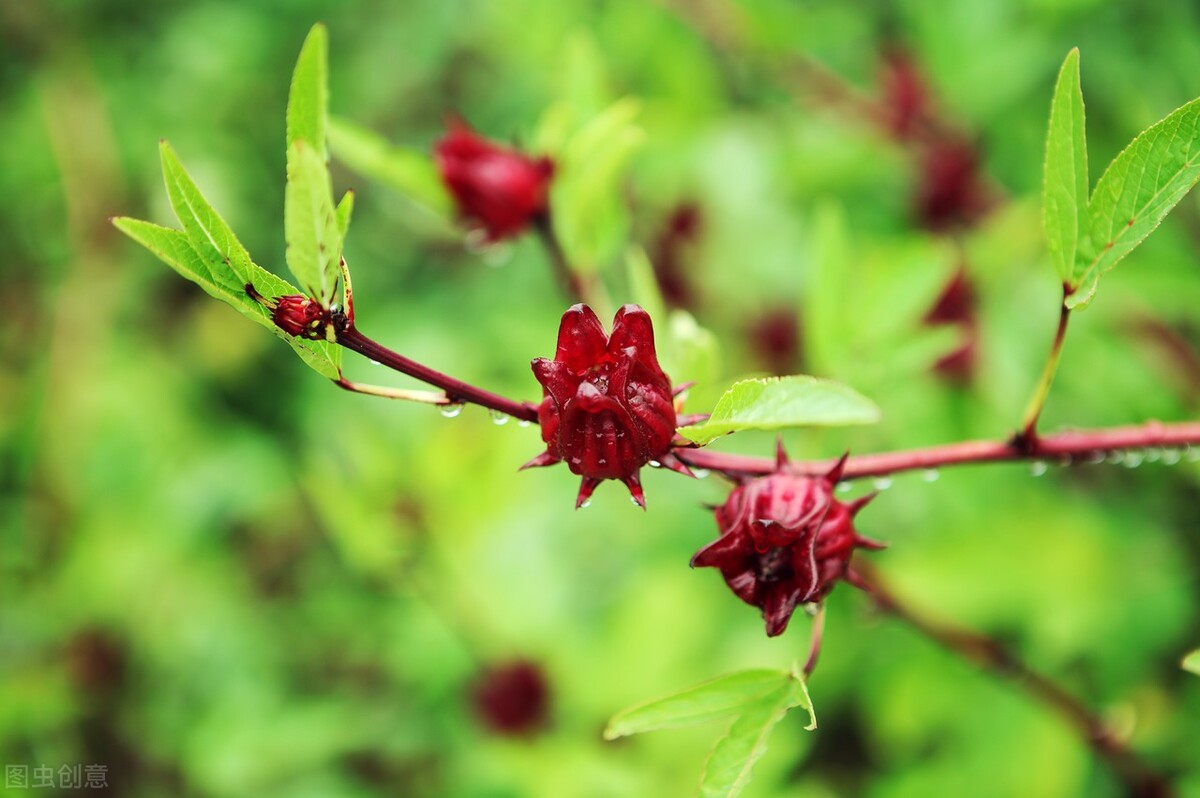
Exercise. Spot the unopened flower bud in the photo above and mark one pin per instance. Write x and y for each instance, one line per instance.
(298, 315)
(495, 187)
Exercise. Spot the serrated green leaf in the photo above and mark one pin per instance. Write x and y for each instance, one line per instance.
(411, 173)
(228, 262)
(728, 769)
(1139, 188)
(780, 402)
(710, 700)
(308, 96)
(1191, 663)
(310, 222)
(1065, 173)
(177, 250)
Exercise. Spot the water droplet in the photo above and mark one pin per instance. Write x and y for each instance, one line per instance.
(1095, 457)
(586, 503)
(375, 363)
(1115, 456)
(523, 422)
(1153, 454)
(451, 410)
(496, 255)
(700, 473)
(633, 500)
(1191, 453)
(1171, 456)
(930, 475)
(603, 461)
(1037, 468)
(498, 418)
(1133, 459)
(882, 483)
(844, 487)
(654, 464)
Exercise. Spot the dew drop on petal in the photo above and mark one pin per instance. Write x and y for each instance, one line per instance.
(586, 503)
(930, 475)
(654, 464)
(1037, 468)
(451, 410)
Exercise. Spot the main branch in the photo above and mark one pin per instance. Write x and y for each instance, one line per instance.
(1078, 445)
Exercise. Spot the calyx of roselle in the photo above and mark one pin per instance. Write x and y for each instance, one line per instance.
(608, 407)
(785, 541)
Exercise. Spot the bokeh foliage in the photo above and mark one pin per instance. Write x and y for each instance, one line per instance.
(221, 576)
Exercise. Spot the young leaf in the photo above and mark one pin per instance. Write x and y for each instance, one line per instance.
(779, 402)
(1191, 662)
(310, 222)
(177, 251)
(1065, 174)
(345, 210)
(704, 702)
(308, 97)
(411, 173)
(727, 771)
(227, 261)
(1140, 187)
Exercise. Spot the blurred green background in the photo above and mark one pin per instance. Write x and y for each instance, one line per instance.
(222, 576)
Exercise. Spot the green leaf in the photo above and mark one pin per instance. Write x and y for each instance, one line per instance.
(411, 173)
(345, 210)
(704, 702)
(727, 771)
(779, 402)
(227, 261)
(1139, 188)
(1191, 662)
(308, 97)
(177, 250)
(1065, 174)
(310, 223)
(643, 284)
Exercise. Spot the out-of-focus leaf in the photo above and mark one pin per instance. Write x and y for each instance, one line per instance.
(727, 771)
(710, 700)
(411, 173)
(692, 352)
(643, 285)
(310, 222)
(1065, 173)
(176, 249)
(345, 210)
(779, 402)
(1191, 662)
(308, 97)
(1139, 188)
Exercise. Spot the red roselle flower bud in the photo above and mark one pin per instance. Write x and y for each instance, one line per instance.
(299, 315)
(512, 699)
(608, 408)
(957, 306)
(784, 541)
(495, 187)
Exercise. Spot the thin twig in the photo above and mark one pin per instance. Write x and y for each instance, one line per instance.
(1075, 446)
(1038, 400)
(425, 397)
(1139, 779)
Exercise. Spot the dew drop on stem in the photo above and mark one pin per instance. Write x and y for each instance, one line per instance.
(1132, 459)
(1171, 456)
(700, 473)
(882, 483)
(930, 475)
(451, 410)
(523, 422)
(498, 418)
(1038, 467)
(1153, 454)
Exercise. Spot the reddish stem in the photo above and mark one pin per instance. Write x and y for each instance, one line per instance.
(1075, 445)
(456, 390)
(1137, 777)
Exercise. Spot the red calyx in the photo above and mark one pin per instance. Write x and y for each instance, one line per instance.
(495, 187)
(512, 699)
(784, 541)
(608, 408)
(298, 315)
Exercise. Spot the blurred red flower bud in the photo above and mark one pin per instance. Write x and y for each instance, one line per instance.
(495, 187)
(608, 408)
(957, 306)
(950, 190)
(512, 699)
(784, 541)
(298, 315)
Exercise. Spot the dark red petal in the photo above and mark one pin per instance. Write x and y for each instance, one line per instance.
(669, 460)
(869, 543)
(727, 551)
(778, 607)
(632, 327)
(586, 486)
(635, 490)
(835, 473)
(744, 584)
(581, 339)
(557, 378)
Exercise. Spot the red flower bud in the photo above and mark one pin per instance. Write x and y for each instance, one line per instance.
(957, 306)
(784, 541)
(608, 408)
(299, 315)
(495, 187)
(512, 699)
